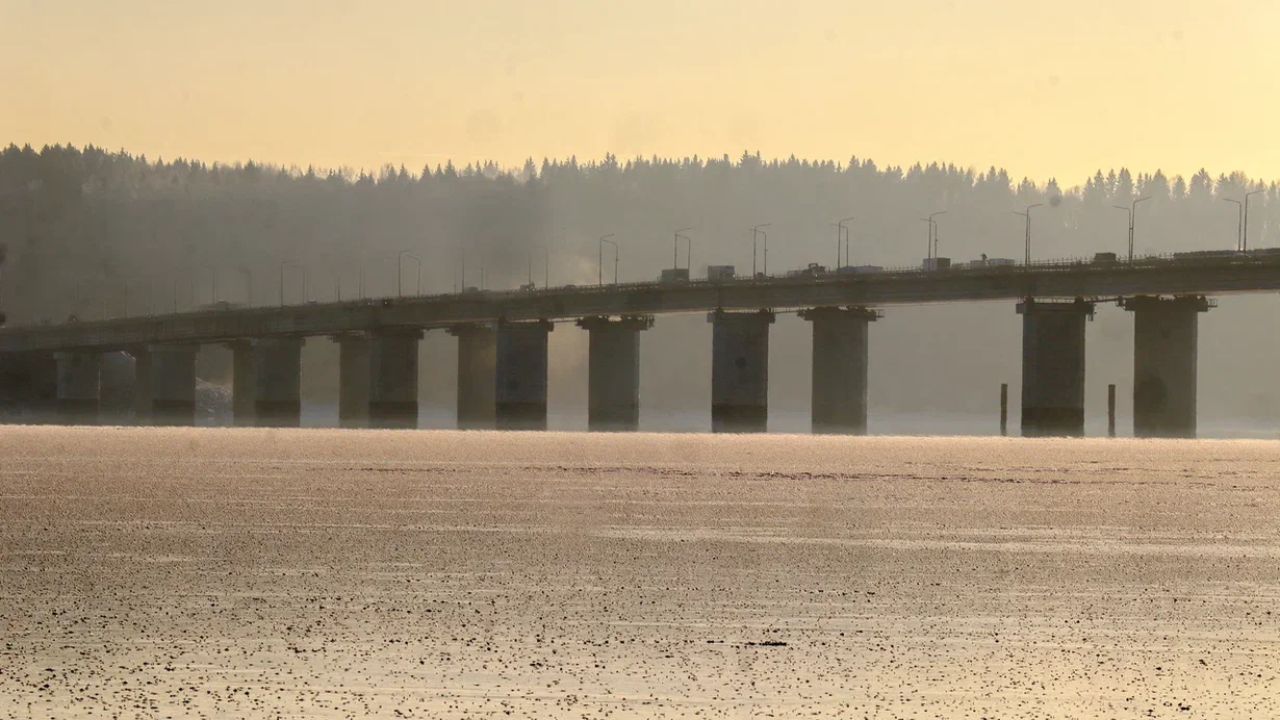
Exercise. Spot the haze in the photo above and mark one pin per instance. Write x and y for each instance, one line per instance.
(1045, 89)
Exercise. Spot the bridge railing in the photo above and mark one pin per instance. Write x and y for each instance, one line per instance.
(1060, 264)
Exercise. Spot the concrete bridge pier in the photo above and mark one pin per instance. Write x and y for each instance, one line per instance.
(1165, 345)
(520, 372)
(353, 380)
(78, 384)
(393, 378)
(165, 384)
(28, 387)
(740, 371)
(1053, 367)
(115, 389)
(613, 371)
(267, 382)
(840, 368)
(477, 370)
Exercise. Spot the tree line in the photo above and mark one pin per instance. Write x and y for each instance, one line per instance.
(93, 233)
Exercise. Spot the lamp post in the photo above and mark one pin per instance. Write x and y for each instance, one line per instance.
(400, 272)
(213, 283)
(931, 246)
(1133, 206)
(1239, 222)
(303, 270)
(842, 236)
(1244, 242)
(1026, 261)
(756, 234)
(675, 248)
(248, 284)
(600, 256)
(603, 241)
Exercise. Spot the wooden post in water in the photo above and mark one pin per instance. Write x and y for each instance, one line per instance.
(1004, 409)
(1111, 410)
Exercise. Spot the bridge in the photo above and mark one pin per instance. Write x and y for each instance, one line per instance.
(502, 345)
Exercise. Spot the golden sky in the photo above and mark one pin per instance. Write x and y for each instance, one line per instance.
(1043, 88)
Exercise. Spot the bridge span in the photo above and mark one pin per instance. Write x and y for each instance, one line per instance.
(502, 345)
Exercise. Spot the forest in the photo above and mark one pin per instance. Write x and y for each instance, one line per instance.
(94, 233)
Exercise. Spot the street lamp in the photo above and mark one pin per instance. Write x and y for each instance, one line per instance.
(931, 245)
(213, 282)
(1027, 214)
(675, 248)
(603, 241)
(1133, 206)
(303, 270)
(600, 257)
(756, 234)
(400, 272)
(1239, 222)
(842, 236)
(248, 284)
(1244, 243)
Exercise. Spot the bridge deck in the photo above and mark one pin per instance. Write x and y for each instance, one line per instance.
(1199, 275)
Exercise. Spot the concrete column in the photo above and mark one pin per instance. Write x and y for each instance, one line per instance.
(1053, 367)
(520, 372)
(613, 372)
(116, 388)
(1165, 334)
(353, 380)
(477, 368)
(839, 369)
(165, 385)
(78, 383)
(393, 379)
(277, 379)
(740, 371)
(28, 387)
(244, 384)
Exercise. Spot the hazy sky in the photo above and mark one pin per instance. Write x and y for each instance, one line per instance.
(1043, 88)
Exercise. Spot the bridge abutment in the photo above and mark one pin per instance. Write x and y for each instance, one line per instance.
(1165, 347)
(840, 358)
(78, 387)
(165, 385)
(740, 371)
(477, 370)
(613, 372)
(1053, 367)
(520, 388)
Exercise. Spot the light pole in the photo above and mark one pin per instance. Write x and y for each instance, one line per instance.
(1244, 243)
(600, 256)
(603, 241)
(931, 246)
(213, 283)
(303, 270)
(462, 265)
(248, 284)
(675, 248)
(400, 272)
(1026, 261)
(842, 235)
(1133, 206)
(756, 234)
(1239, 222)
